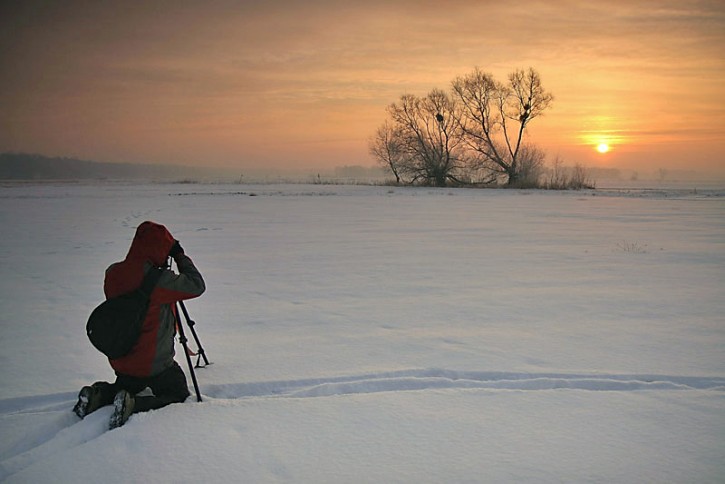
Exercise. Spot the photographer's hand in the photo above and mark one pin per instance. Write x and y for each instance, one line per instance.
(176, 250)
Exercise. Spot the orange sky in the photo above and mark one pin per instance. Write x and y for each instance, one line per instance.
(285, 83)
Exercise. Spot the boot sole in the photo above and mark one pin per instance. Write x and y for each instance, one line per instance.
(122, 409)
(82, 407)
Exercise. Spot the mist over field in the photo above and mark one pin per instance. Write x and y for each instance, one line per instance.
(23, 167)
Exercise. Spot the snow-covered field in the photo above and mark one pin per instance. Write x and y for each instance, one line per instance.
(376, 334)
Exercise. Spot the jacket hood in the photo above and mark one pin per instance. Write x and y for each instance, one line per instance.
(152, 242)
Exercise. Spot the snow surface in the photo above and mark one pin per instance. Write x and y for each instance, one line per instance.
(376, 334)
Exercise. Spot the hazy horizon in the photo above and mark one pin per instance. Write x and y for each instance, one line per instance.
(288, 87)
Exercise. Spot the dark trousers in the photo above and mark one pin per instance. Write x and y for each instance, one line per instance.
(168, 387)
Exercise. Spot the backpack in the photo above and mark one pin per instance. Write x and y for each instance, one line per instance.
(114, 326)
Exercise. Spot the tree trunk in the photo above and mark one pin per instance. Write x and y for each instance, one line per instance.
(440, 179)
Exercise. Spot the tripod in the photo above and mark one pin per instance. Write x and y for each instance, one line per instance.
(200, 353)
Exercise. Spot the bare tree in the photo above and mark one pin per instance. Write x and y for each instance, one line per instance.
(430, 134)
(531, 162)
(580, 177)
(386, 146)
(568, 178)
(494, 116)
(558, 179)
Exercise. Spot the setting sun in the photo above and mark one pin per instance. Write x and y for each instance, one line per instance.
(602, 147)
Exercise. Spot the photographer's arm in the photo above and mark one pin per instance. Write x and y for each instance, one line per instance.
(187, 284)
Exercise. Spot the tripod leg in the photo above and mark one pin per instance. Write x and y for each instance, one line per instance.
(184, 341)
(191, 324)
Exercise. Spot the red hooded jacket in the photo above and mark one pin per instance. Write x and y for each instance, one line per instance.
(154, 351)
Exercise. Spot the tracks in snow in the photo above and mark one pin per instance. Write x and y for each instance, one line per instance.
(407, 380)
(427, 379)
(49, 427)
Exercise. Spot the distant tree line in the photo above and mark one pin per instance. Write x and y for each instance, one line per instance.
(23, 166)
(472, 135)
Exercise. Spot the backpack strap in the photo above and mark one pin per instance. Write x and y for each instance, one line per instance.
(149, 281)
